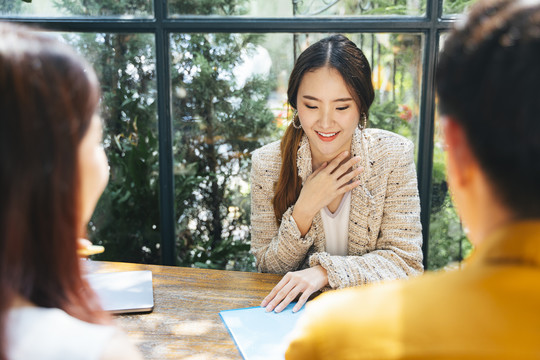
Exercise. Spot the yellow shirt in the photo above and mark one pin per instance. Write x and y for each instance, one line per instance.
(488, 310)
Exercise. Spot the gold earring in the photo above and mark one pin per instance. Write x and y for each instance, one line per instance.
(295, 116)
(362, 124)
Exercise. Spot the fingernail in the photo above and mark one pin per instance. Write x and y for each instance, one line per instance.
(267, 309)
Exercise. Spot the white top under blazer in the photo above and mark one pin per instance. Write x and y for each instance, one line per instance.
(336, 226)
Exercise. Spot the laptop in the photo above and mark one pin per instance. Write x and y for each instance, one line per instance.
(124, 292)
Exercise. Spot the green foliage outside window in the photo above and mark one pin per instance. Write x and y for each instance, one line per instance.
(218, 122)
(126, 220)
(456, 6)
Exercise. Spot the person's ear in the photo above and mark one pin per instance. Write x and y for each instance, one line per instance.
(460, 160)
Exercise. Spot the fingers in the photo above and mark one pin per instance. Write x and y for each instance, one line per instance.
(345, 174)
(348, 179)
(281, 295)
(304, 282)
(90, 250)
(287, 300)
(284, 280)
(321, 168)
(334, 164)
(349, 186)
(83, 243)
(85, 248)
(303, 299)
(340, 166)
(347, 167)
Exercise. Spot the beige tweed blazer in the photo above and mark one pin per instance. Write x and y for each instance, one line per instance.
(385, 238)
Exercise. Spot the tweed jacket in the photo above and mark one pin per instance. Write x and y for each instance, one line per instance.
(384, 223)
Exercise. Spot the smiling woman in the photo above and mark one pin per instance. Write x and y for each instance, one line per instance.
(333, 204)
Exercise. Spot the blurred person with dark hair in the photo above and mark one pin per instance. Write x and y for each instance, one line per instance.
(488, 82)
(53, 169)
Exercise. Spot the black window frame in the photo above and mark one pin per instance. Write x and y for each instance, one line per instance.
(431, 25)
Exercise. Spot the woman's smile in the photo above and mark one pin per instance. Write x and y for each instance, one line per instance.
(327, 136)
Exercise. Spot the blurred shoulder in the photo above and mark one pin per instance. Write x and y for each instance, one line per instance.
(371, 319)
(49, 333)
(341, 307)
(384, 302)
(120, 347)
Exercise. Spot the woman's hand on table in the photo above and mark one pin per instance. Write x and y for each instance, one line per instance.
(294, 283)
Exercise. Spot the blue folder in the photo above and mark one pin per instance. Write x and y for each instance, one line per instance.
(259, 334)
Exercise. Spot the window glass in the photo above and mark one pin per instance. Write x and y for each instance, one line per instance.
(59, 8)
(448, 244)
(229, 98)
(126, 220)
(286, 8)
(455, 7)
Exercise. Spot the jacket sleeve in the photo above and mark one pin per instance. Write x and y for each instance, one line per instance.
(276, 249)
(398, 250)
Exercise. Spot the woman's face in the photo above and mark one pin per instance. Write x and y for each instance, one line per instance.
(93, 168)
(327, 112)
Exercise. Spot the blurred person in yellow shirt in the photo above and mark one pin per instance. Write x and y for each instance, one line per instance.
(488, 82)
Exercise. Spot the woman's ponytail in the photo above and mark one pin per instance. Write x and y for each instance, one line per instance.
(287, 188)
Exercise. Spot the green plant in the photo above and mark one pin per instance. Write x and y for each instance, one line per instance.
(126, 219)
(12, 6)
(456, 6)
(387, 116)
(218, 122)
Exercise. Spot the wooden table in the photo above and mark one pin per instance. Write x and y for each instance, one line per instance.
(185, 323)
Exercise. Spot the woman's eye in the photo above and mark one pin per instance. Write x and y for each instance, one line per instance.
(311, 107)
(343, 108)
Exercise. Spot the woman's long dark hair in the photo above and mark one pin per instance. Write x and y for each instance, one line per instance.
(48, 96)
(336, 52)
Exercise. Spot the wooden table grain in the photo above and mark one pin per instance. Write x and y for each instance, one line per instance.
(185, 323)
